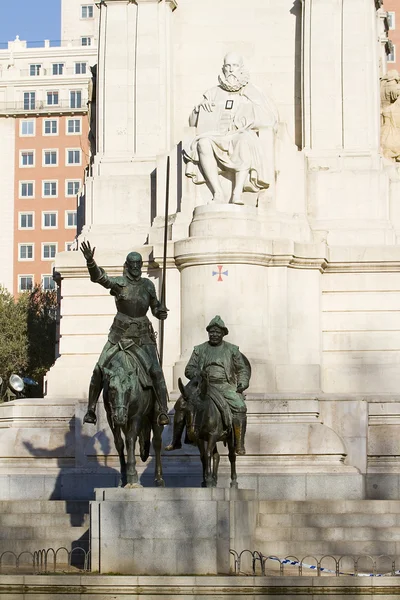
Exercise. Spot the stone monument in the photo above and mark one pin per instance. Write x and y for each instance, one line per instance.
(305, 271)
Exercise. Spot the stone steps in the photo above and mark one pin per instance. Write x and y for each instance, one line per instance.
(320, 528)
(41, 524)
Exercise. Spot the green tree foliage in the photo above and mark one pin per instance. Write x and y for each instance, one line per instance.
(41, 332)
(13, 334)
(27, 334)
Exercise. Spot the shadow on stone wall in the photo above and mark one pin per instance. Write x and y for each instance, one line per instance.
(80, 471)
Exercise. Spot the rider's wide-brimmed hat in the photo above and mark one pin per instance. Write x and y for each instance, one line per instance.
(217, 322)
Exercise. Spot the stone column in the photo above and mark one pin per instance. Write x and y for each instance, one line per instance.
(341, 121)
(133, 117)
(340, 88)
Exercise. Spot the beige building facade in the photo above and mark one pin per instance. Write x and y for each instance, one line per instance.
(44, 150)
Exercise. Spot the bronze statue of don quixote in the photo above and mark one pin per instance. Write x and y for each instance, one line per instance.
(211, 405)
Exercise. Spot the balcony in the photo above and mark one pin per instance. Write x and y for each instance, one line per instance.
(21, 45)
(48, 72)
(40, 108)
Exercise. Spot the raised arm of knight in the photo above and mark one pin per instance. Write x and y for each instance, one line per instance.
(97, 274)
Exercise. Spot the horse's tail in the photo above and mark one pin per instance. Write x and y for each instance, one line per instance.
(144, 440)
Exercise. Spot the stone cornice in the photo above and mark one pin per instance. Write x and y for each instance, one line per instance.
(250, 258)
(223, 586)
(262, 260)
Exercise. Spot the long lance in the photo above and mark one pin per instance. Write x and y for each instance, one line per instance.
(164, 267)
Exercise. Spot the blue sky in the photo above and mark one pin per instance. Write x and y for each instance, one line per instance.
(32, 20)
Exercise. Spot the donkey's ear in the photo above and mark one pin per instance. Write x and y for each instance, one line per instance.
(181, 386)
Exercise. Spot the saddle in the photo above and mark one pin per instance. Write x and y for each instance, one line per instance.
(221, 404)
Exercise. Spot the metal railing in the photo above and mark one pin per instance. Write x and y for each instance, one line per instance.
(45, 561)
(255, 563)
(48, 72)
(40, 106)
(22, 44)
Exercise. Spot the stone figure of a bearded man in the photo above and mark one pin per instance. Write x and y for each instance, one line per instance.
(228, 120)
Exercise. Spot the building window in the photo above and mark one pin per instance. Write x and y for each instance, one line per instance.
(50, 189)
(26, 189)
(70, 246)
(73, 157)
(29, 100)
(34, 70)
(27, 128)
(73, 126)
(392, 55)
(52, 98)
(80, 68)
(48, 282)
(75, 99)
(391, 19)
(87, 12)
(58, 68)
(25, 251)
(49, 158)
(49, 220)
(25, 282)
(70, 219)
(26, 221)
(50, 127)
(72, 188)
(27, 158)
(86, 41)
(49, 251)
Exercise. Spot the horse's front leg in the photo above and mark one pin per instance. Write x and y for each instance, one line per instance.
(157, 433)
(202, 450)
(232, 460)
(216, 459)
(130, 439)
(212, 441)
(119, 446)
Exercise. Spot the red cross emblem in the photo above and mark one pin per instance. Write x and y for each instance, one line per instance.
(220, 272)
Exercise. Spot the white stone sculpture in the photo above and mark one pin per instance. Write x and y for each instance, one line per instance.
(228, 121)
(390, 111)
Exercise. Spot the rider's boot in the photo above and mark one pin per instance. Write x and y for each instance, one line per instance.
(179, 425)
(94, 393)
(239, 428)
(161, 395)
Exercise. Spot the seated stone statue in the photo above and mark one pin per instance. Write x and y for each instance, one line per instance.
(390, 111)
(228, 373)
(227, 120)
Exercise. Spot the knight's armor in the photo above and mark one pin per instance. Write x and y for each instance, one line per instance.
(131, 330)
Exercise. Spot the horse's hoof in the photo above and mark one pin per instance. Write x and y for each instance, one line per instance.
(172, 446)
(163, 419)
(132, 486)
(159, 482)
(234, 485)
(90, 417)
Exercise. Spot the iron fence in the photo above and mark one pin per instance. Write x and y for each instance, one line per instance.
(255, 563)
(45, 561)
(246, 562)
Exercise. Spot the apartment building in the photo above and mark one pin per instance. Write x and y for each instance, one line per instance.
(44, 146)
(393, 17)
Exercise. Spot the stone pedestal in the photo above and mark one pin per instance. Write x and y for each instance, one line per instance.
(170, 531)
(233, 265)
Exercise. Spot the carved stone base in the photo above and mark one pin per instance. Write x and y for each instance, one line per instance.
(170, 531)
